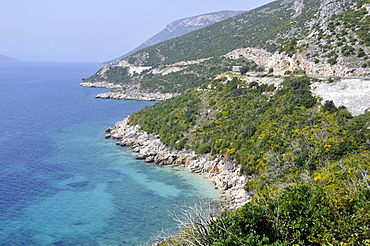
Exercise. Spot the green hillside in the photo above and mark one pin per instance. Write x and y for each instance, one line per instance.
(181, 27)
(290, 146)
(176, 82)
(268, 27)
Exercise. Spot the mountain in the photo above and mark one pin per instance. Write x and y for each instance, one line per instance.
(261, 39)
(267, 27)
(181, 27)
(6, 58)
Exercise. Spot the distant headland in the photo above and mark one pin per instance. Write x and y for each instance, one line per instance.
(7, 58)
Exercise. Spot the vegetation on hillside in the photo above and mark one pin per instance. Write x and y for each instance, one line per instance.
(190, 76)
(289, 145)
(267, 27)
(344, 35)
(307, 163)
(181, 27)
(303, 215)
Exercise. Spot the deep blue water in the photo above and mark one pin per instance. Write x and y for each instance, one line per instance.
(61, 182)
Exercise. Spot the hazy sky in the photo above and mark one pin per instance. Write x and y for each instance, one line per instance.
(92, 30)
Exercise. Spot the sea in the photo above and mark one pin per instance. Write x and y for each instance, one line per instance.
(63, 183)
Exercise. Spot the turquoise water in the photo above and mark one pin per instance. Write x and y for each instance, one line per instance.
(61, 182)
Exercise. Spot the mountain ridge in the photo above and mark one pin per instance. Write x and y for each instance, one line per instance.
(181, 27)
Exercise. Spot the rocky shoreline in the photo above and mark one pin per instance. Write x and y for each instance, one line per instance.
(102, 84)
(129, 93)
(222, 172)
(138, 96)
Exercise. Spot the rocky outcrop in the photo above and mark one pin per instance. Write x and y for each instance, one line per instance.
(223, 172)
(102, 84)
(127, 92)
(280, 63)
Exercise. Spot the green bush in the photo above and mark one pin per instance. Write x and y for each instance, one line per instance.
(361, 53)
(303, 215)
(347, 50)
(332, 61)
(249, 225)
(329, 106)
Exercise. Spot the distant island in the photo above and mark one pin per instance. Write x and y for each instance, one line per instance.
(7, 58)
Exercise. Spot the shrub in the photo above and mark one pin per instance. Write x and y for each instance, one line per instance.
(299, 72)
(249, 225)
(332, 61)
(347, 50)
(244, 69)
(361, 53)
(302, 215)
(329, 106)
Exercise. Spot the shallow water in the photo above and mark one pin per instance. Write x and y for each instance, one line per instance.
(61, 182)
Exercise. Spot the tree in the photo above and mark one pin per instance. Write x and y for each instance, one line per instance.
(329, 106)
(244, 69)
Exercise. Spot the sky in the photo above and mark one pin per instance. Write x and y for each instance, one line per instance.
(92, 30)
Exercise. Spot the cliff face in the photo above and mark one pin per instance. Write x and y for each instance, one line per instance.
(351, 93)
(281, 63)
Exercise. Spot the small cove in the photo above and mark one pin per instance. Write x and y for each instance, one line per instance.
(61, 182)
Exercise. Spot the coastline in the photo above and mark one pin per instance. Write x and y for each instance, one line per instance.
(131, 93)
(138, 96)
(222, 172)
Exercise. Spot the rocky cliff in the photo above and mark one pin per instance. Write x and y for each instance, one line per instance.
(280, 63)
